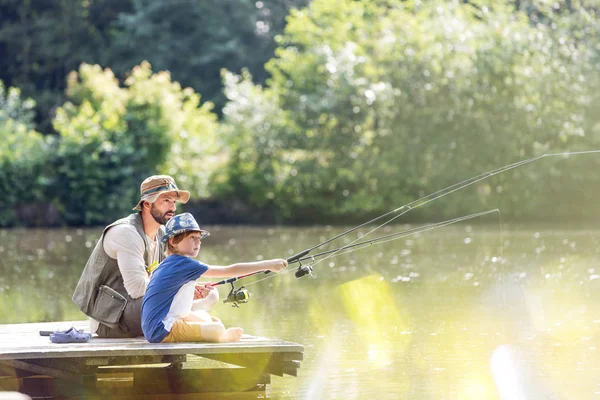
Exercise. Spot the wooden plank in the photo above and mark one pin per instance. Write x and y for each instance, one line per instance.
(135, 360)
(113, 379)
(273, 363)
(129, 348)
(259, 361)
(48, 387)
(293, 356)
(145, 349)
(156, 382)
(22, 341)
(41, 370)
(9, 384)
(291, 368)
(105, 367)
(6, 370)
(73, 365)
(250, 395)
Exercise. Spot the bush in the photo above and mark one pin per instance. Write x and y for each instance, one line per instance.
(374, 104)
(23, 156)
(113, 137)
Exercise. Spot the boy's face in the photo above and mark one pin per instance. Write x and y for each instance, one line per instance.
(190, 246)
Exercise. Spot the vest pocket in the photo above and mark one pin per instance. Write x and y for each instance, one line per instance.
(109, 306)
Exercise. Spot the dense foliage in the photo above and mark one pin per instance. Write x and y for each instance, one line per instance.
(112, 136)
(374, 104)
(23, 154)
(42, 41)
(365, 106)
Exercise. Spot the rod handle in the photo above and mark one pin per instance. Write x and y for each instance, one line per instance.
(298, 256)
(294, 258)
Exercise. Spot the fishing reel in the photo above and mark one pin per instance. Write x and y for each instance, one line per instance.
(303, 270)
(237, 296)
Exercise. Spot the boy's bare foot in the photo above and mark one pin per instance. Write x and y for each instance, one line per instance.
(231, 335)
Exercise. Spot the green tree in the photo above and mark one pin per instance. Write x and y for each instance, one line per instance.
(23, 156)
(112, 137)
(42, 41)
(195, 39)
(387, 101)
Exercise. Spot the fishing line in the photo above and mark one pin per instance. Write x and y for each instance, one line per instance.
(399, 236)
(425, 200)
(437, 195)
(434, 196)
(384, 239)
(403, 234)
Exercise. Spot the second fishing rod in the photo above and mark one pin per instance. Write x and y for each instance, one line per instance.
(402, 210)
(241, 295)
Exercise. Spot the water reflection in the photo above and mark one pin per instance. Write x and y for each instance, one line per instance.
(448, 314)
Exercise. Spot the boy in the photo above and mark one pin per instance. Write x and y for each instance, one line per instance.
(169, 312)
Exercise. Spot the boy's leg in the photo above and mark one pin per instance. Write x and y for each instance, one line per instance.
(216, 332)
(184, 331)
(231, 335)
(206, 303)
(198, 316)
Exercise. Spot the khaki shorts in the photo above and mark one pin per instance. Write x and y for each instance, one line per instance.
(183, 331)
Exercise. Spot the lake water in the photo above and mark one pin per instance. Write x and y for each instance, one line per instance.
(468, 311)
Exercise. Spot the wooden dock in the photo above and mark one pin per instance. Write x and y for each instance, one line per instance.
(135, 368)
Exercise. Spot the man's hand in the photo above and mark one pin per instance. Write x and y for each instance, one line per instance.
(202, 290)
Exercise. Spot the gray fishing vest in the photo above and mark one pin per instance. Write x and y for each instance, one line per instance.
(100, 292)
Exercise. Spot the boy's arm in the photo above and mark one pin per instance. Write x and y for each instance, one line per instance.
(237, 269)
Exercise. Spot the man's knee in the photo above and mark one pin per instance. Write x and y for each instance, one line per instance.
(130, 323)
(107, 332)
(131, 320)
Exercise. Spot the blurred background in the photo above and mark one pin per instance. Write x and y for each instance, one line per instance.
(291, 120)
(297, 111)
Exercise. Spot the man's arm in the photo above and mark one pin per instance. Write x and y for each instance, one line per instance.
(123, 243)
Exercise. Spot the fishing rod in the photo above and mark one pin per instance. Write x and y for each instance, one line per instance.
(304, 270)
(236, 296)
(302, 256)
(241, 295)
(424, 200)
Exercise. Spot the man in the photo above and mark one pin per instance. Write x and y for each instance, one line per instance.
(111, 288)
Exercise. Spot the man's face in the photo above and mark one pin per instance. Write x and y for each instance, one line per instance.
(163, 209)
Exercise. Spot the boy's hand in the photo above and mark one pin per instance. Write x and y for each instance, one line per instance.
(276, 265)
(202, 290)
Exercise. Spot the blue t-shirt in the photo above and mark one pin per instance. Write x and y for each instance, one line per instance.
(174, 272)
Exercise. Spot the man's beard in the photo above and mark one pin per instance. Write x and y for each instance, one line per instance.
(160, 218)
